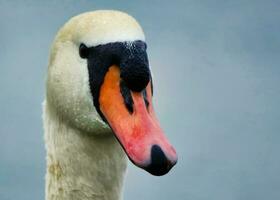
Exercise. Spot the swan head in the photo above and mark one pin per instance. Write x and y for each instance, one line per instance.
(99, 82)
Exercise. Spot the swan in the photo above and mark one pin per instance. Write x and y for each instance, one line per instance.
(98, 108)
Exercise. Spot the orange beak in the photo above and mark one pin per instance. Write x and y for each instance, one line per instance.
(139, 131)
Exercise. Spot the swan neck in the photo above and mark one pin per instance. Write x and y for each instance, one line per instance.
(81, 166)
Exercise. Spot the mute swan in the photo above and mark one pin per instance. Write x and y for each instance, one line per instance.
(98, 108)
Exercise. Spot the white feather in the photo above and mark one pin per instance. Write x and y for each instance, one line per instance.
(84, 160)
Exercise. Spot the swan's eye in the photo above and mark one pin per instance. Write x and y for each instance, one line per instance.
(83, 51)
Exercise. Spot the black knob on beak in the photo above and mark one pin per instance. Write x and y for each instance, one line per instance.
(135, 72)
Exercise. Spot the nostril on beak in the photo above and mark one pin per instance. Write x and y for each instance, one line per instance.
(159, 165)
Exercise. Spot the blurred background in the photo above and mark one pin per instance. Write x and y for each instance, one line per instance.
(217, 94)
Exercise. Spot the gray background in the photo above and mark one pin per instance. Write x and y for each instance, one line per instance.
(217, 78)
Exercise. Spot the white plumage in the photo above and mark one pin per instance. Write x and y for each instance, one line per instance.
(74, 132)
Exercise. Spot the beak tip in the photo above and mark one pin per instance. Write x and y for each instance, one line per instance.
(160, 171)
(160, 164)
